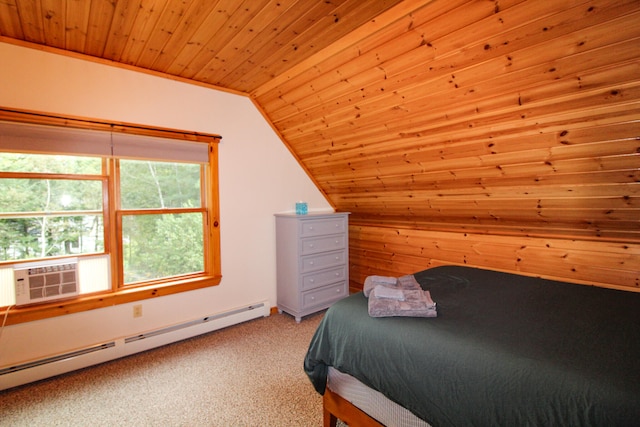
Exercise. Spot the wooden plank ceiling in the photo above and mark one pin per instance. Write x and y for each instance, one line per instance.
(505, 116)
(235, 44)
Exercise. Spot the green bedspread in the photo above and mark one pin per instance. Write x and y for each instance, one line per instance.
(505, 350)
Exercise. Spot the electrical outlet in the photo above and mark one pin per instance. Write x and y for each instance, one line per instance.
(137, 310)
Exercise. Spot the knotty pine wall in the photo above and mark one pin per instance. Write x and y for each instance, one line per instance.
(496, 134)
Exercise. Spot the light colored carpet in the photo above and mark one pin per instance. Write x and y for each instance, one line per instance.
(245, 375)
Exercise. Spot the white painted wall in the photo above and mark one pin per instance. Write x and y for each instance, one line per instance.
(258, 177)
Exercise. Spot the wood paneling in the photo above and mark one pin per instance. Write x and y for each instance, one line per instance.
(395, 251)
(497, 133)
(236, 44)
(472, 123)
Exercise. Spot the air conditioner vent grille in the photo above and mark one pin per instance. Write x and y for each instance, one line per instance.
(46, 282)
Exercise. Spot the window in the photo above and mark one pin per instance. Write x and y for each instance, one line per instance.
(50, 206)
(162, 219)
(141, 208)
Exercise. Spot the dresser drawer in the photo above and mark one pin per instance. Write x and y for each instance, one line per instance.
(324, 277)
(324, 295)
(318, 227)
(324, 260)
(313, 245)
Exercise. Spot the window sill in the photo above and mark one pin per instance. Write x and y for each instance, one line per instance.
(91, 302)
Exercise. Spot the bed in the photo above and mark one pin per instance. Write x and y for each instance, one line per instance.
(504, 349)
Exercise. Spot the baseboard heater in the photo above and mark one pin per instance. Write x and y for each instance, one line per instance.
(59, 364)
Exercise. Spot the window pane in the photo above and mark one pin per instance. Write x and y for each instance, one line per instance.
(156, 185)
(47, 236)
(49, 195)
(159, 246)
(42, 163)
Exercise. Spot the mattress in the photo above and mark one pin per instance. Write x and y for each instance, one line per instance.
(374, 403)
(505, 349)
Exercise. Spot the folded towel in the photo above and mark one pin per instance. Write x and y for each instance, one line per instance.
(402, 282)
(422, 296)
(382, 291)
(408, 282)
(415, 304)
(387, 280)
(372, 281)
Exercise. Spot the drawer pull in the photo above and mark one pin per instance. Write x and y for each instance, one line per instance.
(310, 262)
(310, 245)
(312, 280)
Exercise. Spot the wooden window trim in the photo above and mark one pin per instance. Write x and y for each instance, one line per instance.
(125, 295)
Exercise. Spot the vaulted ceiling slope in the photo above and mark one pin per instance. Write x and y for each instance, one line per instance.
(511, 116)
(235, 44)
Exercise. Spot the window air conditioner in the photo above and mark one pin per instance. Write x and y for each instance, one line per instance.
(46, 281)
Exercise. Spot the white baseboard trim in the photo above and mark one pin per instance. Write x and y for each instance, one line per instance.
(25, 373)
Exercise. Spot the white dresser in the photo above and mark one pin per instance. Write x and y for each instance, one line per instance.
(312, 259)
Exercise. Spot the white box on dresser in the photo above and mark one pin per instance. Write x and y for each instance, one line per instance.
(312, 260)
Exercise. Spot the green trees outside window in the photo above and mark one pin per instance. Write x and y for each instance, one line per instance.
(53, 206)
(162, 226)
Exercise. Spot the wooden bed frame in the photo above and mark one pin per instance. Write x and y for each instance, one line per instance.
(335, 407)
